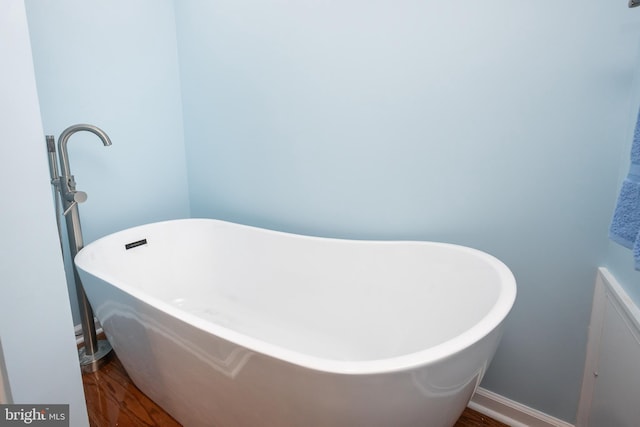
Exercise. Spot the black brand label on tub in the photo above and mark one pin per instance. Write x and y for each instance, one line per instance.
(135, 244)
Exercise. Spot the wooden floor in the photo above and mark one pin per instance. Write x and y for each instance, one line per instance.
(113, 400)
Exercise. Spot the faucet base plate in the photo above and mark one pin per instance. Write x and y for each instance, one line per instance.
(93, 362)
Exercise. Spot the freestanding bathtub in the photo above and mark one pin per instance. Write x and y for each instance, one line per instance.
(228, 325)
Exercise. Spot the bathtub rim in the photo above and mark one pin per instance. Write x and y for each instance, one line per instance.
(483, 328)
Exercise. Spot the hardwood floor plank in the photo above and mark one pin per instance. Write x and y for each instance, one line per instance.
(113, 400)
(471, 418)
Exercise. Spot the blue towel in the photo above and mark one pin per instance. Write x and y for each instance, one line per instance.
(625, 225)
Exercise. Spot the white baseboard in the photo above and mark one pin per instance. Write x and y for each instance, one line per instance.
(510, 412)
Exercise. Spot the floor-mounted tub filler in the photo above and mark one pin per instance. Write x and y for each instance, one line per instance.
(228, 325)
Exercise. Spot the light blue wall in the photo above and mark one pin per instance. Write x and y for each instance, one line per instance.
(498, 125)
(36, 330)
(114, 64)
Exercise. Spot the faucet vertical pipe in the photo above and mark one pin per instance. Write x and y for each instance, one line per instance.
(53, 160)
(93, 351)
(55, 180)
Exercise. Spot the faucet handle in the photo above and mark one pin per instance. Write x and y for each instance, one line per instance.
(79, 196)
(75, 197)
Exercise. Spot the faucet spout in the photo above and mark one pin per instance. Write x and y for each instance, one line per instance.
(64, 139)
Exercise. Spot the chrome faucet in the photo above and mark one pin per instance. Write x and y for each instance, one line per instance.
(92, 356)
(70, 196)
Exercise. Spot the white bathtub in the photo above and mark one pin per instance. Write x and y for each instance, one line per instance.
(233, 326)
